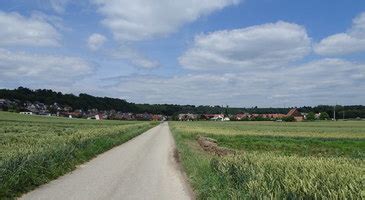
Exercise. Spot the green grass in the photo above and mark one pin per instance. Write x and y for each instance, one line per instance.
(314, 160)
(36, 149)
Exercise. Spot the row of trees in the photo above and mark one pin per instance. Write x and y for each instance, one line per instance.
(312, 116)
(85, 102)
(346, 112)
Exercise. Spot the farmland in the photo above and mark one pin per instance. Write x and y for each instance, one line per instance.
(35, 149)
(308, 160)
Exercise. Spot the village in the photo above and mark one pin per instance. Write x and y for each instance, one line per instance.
(292, 115)
(55, 109)
(37, 108)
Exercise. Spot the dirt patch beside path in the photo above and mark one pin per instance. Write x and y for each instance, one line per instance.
(210, 145)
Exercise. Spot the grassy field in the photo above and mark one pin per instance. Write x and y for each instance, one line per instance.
(307, 160)
(35, 149)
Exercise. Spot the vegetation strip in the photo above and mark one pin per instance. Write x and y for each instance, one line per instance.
(303, 146)
(33, 153)
(278, 171)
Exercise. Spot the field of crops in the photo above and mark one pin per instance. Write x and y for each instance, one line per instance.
(304, 160)
(35, 149)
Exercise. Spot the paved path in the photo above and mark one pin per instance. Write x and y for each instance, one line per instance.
(143, 168)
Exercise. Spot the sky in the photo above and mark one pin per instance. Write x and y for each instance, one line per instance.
(241, 53)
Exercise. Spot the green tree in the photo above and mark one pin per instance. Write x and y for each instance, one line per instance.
(324, 116)
(311, 116)
(226, 112)
(288, 119)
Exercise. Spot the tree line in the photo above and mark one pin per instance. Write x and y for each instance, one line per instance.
(86, 102)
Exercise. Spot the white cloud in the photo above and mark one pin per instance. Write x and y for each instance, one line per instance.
(317, 82)
(21, 66)
(132, 21)
(17, 30)
(344, 43)
(134, 57)
(59, 5)
(95, 41)
(262, 46)
(144, 19)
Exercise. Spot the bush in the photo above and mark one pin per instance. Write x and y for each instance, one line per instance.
(324, 116)
(311, 116)
(288, 119)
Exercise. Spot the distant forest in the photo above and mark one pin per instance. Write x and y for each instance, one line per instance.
(85, 102)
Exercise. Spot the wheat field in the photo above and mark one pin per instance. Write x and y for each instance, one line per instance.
(37, 149)
(307, 160)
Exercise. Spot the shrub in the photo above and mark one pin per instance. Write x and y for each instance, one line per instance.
(311, 116)
(288, 119)
(324, 116)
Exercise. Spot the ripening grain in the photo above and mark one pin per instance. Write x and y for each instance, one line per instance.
(314, 160)
(35, 150)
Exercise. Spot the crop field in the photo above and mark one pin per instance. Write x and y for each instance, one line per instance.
(36, 149)
(275, 160)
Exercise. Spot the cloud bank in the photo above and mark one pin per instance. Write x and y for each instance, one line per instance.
(144, 19)
(262, 46)
(18, 30)
(349, 42)
(304, 84)
(38, 68)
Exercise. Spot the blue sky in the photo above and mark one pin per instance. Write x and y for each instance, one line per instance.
(236, 52)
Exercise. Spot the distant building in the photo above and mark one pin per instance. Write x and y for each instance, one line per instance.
(3, 102)
(157, 117)
(296, 114)
(144, 116)
(187, 117)
(255, 116)
(242, 116)
(26, 113)
(275, 116)
(67, 108)
(214, 117)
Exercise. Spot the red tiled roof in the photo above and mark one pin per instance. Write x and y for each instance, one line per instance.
(294, 112)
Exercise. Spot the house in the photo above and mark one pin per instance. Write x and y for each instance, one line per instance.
(125, 116)
(274, 116)
(98, 117)
(157, 117)
(4, 103)
(26, 113)
(67, 108)
(36, 108)
(242, 116)
(121, 116)
(75, 114)
(31, 107)
(144, 116)
(296, 114)
(91, 113)
(187, 117)
(226, 119)
(56, 107)
(214, 117)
